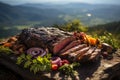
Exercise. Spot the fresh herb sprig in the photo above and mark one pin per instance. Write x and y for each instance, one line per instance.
(68, 69)
(110, 39)
(36, 64)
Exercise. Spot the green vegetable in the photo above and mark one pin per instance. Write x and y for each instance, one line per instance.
(36, 64)
(20, 59)
(110, 39)
(68, 69)
(5, 50)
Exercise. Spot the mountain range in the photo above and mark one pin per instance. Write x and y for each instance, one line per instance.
(48, 14)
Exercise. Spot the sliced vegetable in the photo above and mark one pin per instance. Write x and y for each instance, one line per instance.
(56, 60)
(36, 52)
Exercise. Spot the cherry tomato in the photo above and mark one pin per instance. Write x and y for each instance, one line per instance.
(54, 66)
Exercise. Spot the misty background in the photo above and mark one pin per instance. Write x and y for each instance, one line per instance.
(16, 2)
(16, 15)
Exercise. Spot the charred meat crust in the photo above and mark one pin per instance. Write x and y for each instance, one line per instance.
(42, 37)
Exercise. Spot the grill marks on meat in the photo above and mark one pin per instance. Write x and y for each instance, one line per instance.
(62, 44)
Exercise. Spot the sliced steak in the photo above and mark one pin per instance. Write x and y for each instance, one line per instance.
(86, 56)
(94, 56)
(73, 49)
(75, 55)
(81, 52)
(69, 46)
(62, 44)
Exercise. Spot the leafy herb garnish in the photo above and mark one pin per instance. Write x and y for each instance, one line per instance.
(68, 69)
(36, 64)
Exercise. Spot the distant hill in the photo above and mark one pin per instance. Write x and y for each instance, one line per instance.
(99, 13)
(113, 28)
(48, 14)
(22, 15)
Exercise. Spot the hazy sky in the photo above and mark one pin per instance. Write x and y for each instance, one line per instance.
(61, 1)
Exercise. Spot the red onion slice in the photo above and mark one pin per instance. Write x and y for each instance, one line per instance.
(56, 60)
(36, 52)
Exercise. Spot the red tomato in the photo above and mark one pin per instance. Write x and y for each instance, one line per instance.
(54, 66)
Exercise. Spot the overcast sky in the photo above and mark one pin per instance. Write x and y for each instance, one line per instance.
(61, 1)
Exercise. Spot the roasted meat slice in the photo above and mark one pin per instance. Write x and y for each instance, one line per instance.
(75, 55)
(81, 52)
(73, 49)
(72, 44)
(62, 44)
(86, 56)
(95, 55)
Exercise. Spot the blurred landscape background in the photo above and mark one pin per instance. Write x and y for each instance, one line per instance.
(97, 16)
